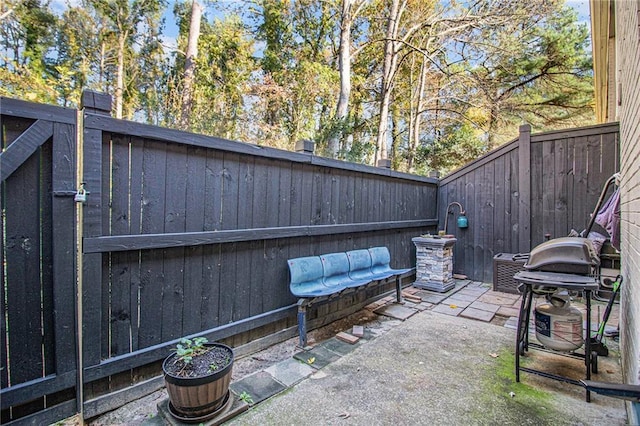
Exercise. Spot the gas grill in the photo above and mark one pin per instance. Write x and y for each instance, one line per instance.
(568, 263)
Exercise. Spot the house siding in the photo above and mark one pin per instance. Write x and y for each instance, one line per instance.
(628, 65)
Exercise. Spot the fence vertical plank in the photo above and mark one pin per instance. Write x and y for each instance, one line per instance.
(230, 213)
(488, 210)
(119, 287)
(92, 262)
(456, 189)
(515, 201)
(548, 190)
(47, 257)
(22, 251)
(246, 199)
(580, 183)
(135, 226)
(194, 222)
(571, 171)
(272, 194)
(153, 218)
(524, 188)
(316, 198)
(174, 259)
(347, 203)
(261, 191)
(560, 223)
(537, 194)
(499, 210)
(325, 197)
(214, 182)
(309, 192)
(469, 194)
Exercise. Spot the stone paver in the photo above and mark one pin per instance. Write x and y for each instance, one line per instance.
(461, 296)
(260, 386)
(477, 314)
(340, 347)
(290, 371)
(474, 291)
(461, 303)
(512, 323)
(506, 311)
(317, 357)
(434, 298)
(493, 298)
(447, 310)
(485, 306)
(396, 311)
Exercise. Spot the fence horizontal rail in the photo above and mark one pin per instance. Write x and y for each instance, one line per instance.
(153, 353)
(17, 394)
(184, 239)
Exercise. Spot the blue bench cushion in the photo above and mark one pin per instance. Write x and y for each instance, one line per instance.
(336, 272)
(307, 277)
(380, 259)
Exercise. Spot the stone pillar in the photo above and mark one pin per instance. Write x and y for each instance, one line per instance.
(434, 263)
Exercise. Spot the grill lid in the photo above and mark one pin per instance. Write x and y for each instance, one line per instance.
(566, 254)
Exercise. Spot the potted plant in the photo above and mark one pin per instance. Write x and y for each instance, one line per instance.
(197, 376)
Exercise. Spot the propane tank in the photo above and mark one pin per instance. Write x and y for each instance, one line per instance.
(558, 324)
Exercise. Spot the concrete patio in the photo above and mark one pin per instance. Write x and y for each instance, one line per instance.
(437, 359)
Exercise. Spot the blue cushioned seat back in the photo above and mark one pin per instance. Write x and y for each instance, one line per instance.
(336, 269)
(306, 277)
(359, 264)
(380, 259)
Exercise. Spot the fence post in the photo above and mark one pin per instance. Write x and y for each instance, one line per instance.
(96, 102)
(90, 225)
(305, 146)
(524, 189)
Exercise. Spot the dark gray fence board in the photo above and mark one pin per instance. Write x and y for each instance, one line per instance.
(24, 267)
(557, 191)
(514, 215)
(537, 207)
(499, 205)
(22, 109)
(63, 240)
(92, 263)
(47, 258)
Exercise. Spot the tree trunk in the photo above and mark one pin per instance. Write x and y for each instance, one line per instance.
(414, 138)
(344, 57)
(119, 95)
(388, 71)
(190, 65)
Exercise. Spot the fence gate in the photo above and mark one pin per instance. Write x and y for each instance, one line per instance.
(38, 350)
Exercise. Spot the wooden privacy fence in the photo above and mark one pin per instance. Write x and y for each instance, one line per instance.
(537, 186)
(181, 235)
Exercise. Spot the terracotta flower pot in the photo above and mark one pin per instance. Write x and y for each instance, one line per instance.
(197, 397)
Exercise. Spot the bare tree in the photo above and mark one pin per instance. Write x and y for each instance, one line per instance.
(190, 64)
(350, 10)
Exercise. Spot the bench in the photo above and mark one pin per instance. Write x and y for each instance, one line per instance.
(316, 279)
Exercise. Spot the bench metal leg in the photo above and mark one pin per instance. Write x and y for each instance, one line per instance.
(398, 288)
(302, 322)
